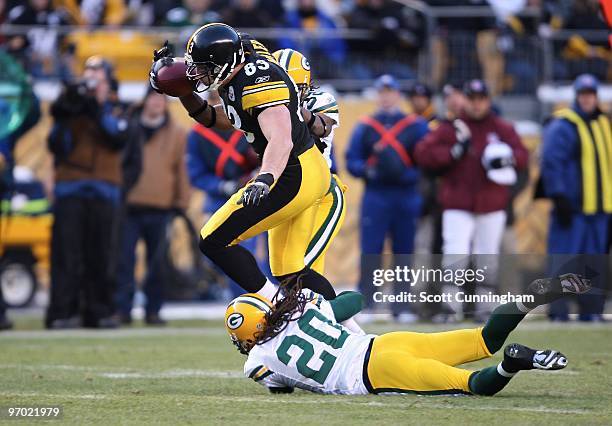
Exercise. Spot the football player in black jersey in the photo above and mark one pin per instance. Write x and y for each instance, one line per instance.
(260, 99)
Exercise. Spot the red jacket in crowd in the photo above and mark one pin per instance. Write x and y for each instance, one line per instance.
(464, 184)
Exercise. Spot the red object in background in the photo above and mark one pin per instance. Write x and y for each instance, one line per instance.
(606, 11)
(172, 79)
(464, 183)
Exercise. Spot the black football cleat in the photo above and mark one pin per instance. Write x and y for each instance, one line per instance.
(518, 357)
(548, 290)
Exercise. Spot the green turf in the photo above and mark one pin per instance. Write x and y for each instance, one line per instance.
(188, 375)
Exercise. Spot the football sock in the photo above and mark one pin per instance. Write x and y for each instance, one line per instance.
(268, 290)
(502, 321)
(237, 263)
(490, 380)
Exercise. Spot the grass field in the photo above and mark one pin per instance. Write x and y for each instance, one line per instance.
(191, 374)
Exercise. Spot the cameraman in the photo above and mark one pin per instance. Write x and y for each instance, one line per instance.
(87, 139)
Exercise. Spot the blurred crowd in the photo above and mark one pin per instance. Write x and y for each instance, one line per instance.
(122, 173)
(503, 44)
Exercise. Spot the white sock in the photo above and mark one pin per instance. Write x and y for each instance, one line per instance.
(503, 372)
(268, 290)
(521, 307)
(352, 325)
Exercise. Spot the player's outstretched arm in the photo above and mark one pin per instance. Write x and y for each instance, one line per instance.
(346, 305)
(319, 124)
(275, 123)
(204, 113)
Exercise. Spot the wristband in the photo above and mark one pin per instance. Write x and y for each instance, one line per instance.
(266, 178)
(213, 117)
(313, 117)
(199, 110)
(324, 126)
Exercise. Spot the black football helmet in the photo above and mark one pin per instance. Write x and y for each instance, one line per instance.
(212, 53)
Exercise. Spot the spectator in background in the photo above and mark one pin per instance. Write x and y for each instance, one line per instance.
(86, 140)
(246, 14)
(192, 13)
(479, 153)
(149, 12)
(329, 51)
(38, 48)
(581, 54)
(428, 237)
(380, 152)
(399, 31)
(7, 147)
(576, 175)
(454, 101)
(420, 96)
(219, 163)
(463, 44)
(95, 12)
(161, 189)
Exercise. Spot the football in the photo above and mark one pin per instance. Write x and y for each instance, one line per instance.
(172, 79)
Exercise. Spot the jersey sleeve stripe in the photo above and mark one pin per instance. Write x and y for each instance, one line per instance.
(257, 86)
(279, 85)
(324, 107)
(266, 98)
(263, 375)
(270, 104)
(255, 371)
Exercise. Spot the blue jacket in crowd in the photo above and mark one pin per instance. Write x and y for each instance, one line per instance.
(384, 168)
(561, 154)
(116, 128)
(205, 170)
(334, 48)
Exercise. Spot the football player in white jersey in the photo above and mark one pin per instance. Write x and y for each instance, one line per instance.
(297, 341)
(321, 113)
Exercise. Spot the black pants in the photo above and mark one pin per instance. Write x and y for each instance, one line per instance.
(83, 259)
(2, 305)
(150, 224)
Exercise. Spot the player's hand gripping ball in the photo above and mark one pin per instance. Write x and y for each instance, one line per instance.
(168, 74)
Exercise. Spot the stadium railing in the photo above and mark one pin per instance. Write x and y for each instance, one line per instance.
(511, 64)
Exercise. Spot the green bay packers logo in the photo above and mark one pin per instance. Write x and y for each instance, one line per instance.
(234, 321)
(305, 63)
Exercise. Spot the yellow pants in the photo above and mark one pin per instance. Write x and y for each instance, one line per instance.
(329, 217)
(285, 213)
(407, 362)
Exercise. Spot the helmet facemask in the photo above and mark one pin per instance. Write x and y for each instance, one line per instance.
(303, 90)
(209, 75)
(244, 347)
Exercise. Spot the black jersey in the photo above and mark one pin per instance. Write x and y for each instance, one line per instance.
(262, 83)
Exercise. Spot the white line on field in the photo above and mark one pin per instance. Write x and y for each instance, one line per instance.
(115, 334)
(129, 373)
(50, 395)
(419, 404)
(171, 374)
(50, 367)
(219, 331)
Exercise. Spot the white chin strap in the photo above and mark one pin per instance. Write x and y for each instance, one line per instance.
(215, 84)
